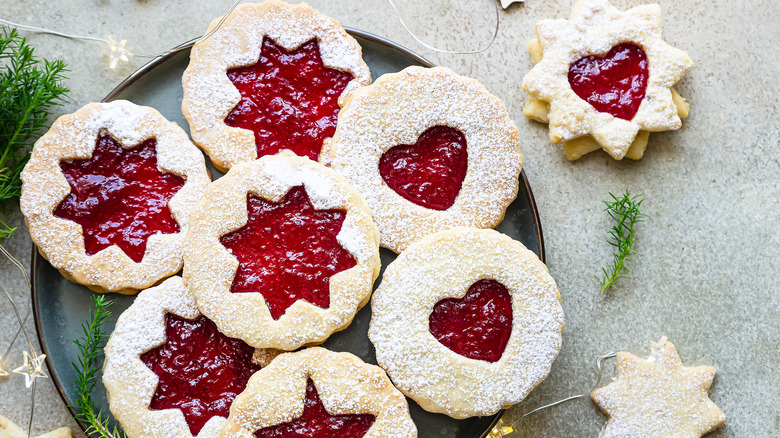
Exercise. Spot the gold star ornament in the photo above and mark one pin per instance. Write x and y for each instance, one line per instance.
(658, 397)
(603, 79)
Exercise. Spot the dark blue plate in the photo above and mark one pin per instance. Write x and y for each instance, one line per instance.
(60, 307)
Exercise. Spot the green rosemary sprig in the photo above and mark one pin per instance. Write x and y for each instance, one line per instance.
(5, 231)
(90, 352)
(625, 212)
(29, 88)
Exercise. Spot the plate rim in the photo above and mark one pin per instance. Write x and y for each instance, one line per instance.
(156, 62)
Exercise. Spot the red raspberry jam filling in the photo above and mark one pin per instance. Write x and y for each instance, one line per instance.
(119, 197)
(478, 325)
(289, 99)
(429, 172)
(288, 251)
(316, 422)
(201, 371)
(614, 83)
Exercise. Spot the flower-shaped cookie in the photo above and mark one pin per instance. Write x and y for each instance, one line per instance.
(607, 74)
(658, 397)
(281, 252)
(107, 195)
(270, 78)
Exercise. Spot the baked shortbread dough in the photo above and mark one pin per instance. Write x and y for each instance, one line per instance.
(414, 135)
(210, 96)
(596, 28)
(132, 386)
(71, 141)
(294, 384)
(658, 397)
(438, 275)
(284, 252)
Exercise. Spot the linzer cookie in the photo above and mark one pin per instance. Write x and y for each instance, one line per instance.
(169, 372)
(107, 195)
(466, 322)
(428, 150)
(281, 252)
(319, 393)
(270, 78)
(603, 79)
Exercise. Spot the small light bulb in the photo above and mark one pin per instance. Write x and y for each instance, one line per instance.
(32, 368)
(117, 52)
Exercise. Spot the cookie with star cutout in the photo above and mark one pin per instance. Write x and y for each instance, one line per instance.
(317, 393)
(282, 252)
(658, 397)
(107, 195)
(603, 79)
(270, 78)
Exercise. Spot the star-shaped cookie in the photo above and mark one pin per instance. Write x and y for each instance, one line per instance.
(10, 430)
(607, 74)
(658, 397)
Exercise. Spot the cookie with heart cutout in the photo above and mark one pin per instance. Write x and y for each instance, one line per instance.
(605, 75)
(466, 322)
(429, 150)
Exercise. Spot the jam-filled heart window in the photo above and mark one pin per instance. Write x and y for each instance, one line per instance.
(477, 326)
(429, 172)
(615, 83)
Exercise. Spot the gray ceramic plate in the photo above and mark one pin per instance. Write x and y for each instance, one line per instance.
(61, 306)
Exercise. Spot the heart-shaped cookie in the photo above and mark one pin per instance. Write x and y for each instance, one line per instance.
(478, 325)
(615, 83)
(430, 172)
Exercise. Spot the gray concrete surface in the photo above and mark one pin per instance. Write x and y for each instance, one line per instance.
(705, 272)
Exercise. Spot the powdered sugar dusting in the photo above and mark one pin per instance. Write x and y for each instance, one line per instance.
(74, 136)
(445, 265)
(596, 27)
(129, 382)
(395, 110)
(658, 397)
(322, 191)
(208, 93)
(209, 267)
(346, 385)
(324, 194)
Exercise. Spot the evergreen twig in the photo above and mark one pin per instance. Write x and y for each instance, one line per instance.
(29, 88)
(90, 353)
(625, 212)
